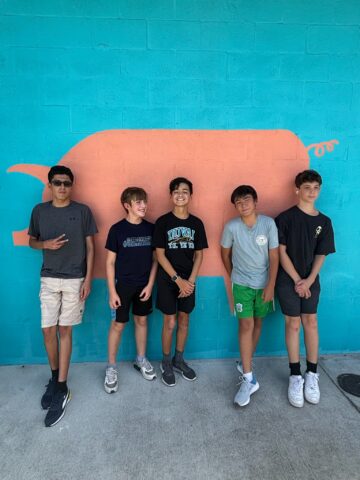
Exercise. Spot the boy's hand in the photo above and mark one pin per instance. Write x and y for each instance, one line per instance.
(85, 290)
(114, 301)
(268, 293)
(145, 293)
(302, 288)
(185, 286)
(55, 243)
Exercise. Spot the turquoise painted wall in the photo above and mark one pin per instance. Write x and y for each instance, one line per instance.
(69, 69)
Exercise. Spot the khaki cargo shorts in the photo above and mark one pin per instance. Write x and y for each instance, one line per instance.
(60, 301)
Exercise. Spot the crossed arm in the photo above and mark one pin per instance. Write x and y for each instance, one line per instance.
(301, 285)
(186, 287)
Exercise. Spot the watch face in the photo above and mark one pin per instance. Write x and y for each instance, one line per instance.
(174, 278)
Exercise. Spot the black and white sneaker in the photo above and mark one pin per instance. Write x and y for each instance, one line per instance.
(182, 367)
(46, 399)
(57, 408)
(168, 376)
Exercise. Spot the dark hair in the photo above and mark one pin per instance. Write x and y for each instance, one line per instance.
(60, 170)
(307, 176)
(132, 193)
(174, 184)
(243, 191)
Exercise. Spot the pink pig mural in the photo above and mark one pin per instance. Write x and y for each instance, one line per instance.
(216, 161)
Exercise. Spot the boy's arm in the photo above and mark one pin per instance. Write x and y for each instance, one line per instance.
(315, 270)
(268, 292)
(289, 268)
(226, 259)
(53, 244)
(114, 299)
(146, 291)
(185, 286)
(198, 258)
(90, 253)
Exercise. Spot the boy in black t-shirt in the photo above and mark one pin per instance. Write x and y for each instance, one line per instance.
(306, 237)
(179, 239)
(130, 270)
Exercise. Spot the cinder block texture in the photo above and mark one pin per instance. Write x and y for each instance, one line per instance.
(69, 69)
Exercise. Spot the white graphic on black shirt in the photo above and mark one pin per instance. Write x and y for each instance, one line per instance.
(137, 242)
(318, 231)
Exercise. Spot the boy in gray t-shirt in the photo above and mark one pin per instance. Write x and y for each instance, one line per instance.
(63, 230)
(250, 253)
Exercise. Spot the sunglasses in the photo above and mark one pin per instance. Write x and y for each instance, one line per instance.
(58, 183)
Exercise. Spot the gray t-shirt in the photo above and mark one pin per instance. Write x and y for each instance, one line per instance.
(250, 250)
(77, 222)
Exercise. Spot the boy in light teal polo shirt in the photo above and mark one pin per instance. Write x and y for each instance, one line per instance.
(250, 253)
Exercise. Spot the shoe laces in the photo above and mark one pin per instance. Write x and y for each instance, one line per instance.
(312, 381)
(146, 364)
(111, 375)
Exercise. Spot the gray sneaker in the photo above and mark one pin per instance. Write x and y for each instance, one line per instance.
(145, 368)
(111, 380)
(246, 389)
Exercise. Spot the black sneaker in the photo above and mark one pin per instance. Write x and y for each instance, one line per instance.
(46, 399)
(183, 368)
(168, 376)
(57, 408)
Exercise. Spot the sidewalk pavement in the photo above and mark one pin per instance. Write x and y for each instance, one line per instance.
(192, 431)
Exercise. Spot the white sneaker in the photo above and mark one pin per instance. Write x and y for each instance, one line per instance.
(111, 380)
(296, 391)
(145, 368)
(312, 391)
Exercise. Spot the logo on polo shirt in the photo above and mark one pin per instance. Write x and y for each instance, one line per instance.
(261, 240)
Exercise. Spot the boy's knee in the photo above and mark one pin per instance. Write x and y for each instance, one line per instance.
(183, 320)
(49, 333)
(246, 324)
(65, 331)
(293, 324)
(310, 321)
(117, 327)
(140, 321)
(170, 322)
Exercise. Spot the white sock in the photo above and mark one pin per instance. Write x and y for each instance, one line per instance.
(248, 376)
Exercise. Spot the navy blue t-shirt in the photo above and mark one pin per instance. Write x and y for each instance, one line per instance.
(132, 245)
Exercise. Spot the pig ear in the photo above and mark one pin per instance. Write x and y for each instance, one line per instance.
(38, 171)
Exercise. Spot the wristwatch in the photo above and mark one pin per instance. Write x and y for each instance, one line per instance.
(174, 277)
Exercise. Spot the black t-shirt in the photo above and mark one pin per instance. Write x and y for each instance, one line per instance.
(132, 245)
(304, 236)
(180, 238)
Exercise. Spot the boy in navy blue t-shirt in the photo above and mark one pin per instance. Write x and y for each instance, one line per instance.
(130, 270)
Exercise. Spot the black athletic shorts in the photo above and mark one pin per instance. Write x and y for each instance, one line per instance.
(130, 296)
(167, 300)
(290, 302)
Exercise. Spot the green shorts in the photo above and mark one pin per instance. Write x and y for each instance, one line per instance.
(248, 302)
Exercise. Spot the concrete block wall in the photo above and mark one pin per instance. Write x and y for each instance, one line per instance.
(69, 69)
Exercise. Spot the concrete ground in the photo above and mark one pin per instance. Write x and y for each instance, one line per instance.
(192, 431)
